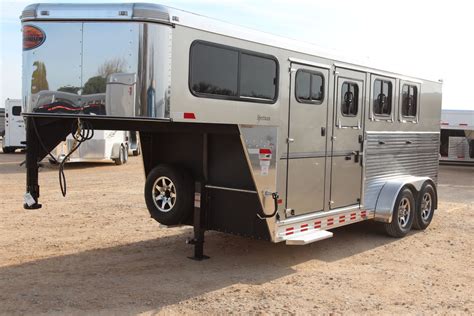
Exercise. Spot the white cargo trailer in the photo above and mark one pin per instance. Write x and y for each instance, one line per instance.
(241, 131)
(15, 133)
(457, 137)
(105, 146)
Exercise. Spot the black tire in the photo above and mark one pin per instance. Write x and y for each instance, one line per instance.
(424, 213)
(401, 225)
(122, 158)
(136, 152)
(180, 208)
(8, 150)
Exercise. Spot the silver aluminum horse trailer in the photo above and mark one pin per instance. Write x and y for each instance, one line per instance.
(241, 131)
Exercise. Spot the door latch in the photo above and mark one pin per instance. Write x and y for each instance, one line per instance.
(290, 140)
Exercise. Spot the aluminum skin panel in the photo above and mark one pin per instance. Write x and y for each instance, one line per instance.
(117, 70)
(392, 155)
(260, 143)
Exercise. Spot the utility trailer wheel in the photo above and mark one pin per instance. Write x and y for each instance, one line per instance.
(123, 156)
(169, 194)
(425, 207)
(136, 152)
(403, 214)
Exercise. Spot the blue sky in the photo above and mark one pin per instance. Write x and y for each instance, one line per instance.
(431, 38)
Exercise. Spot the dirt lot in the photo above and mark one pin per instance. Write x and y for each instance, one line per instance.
(97, 251)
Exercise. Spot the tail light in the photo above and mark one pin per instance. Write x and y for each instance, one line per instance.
(32, 37)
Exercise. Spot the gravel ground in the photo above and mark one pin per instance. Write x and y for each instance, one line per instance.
(98, 252)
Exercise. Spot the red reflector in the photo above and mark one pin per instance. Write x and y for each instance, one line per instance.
(265, 151)
(280, 201)
(462, 124)
(190, 116)
(32, 37)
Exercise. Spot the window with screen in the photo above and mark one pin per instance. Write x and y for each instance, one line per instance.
(382, 97)
(16, 110)
(224, 72)
(309, 87)
(349, 99)
(409, 100)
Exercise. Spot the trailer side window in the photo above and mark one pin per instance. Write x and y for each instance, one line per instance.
(224, 72)
(214, 70)
(309, 87)
(257, 78)
(16, 110)
(349, 99)
(382, 97)
(409, 100)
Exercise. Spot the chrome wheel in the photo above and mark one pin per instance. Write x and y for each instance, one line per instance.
(404, 212)
(164, 194)
(426, 203)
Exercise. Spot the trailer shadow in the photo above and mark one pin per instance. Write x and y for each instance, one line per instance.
(151, 274)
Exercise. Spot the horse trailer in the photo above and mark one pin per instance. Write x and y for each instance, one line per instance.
(241, 131)
(15, 134)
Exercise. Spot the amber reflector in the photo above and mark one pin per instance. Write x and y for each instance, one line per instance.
(32, 37)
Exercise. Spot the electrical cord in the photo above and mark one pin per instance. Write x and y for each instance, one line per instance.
(81, 131)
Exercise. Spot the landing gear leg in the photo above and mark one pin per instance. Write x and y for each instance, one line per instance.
(32, 154)
(200, 208)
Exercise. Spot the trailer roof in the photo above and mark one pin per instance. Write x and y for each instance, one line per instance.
(162, 14)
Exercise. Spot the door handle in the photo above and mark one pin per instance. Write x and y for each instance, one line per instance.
(356, 156)
(323, 131)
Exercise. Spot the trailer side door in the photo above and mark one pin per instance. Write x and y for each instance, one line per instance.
(347, 140)
(306, 152)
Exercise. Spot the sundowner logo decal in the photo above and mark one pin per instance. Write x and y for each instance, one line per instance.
(32, 37)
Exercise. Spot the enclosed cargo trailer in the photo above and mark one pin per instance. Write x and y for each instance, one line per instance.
(241, 131)
(15, 134)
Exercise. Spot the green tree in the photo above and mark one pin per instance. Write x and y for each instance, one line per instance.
(38, 78)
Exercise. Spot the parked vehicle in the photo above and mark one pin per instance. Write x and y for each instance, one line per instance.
(15, 133)
(241, 132)
(105, 146)
(457, 137)
(2, 122)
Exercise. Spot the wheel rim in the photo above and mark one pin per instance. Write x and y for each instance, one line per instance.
(426, 203)
(164, 194)
(404, 212)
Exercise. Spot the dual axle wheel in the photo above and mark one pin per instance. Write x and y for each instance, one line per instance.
(410, 213)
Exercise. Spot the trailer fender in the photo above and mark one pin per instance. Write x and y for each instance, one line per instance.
(389, 192)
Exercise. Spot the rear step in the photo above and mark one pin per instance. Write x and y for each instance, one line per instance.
(304, 239)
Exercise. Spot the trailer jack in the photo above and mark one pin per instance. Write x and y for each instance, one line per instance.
(200, 209)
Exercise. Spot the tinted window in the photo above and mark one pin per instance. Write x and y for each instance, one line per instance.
(382, 97)
(257, 77)
(349, 99)
(214, 70)
(309, 87)
(303, 86)
(409, 100)
(16, 110)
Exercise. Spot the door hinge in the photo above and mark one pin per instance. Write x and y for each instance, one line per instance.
(290, 140)
(333, 138)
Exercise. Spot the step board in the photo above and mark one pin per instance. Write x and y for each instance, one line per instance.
(304, 239)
